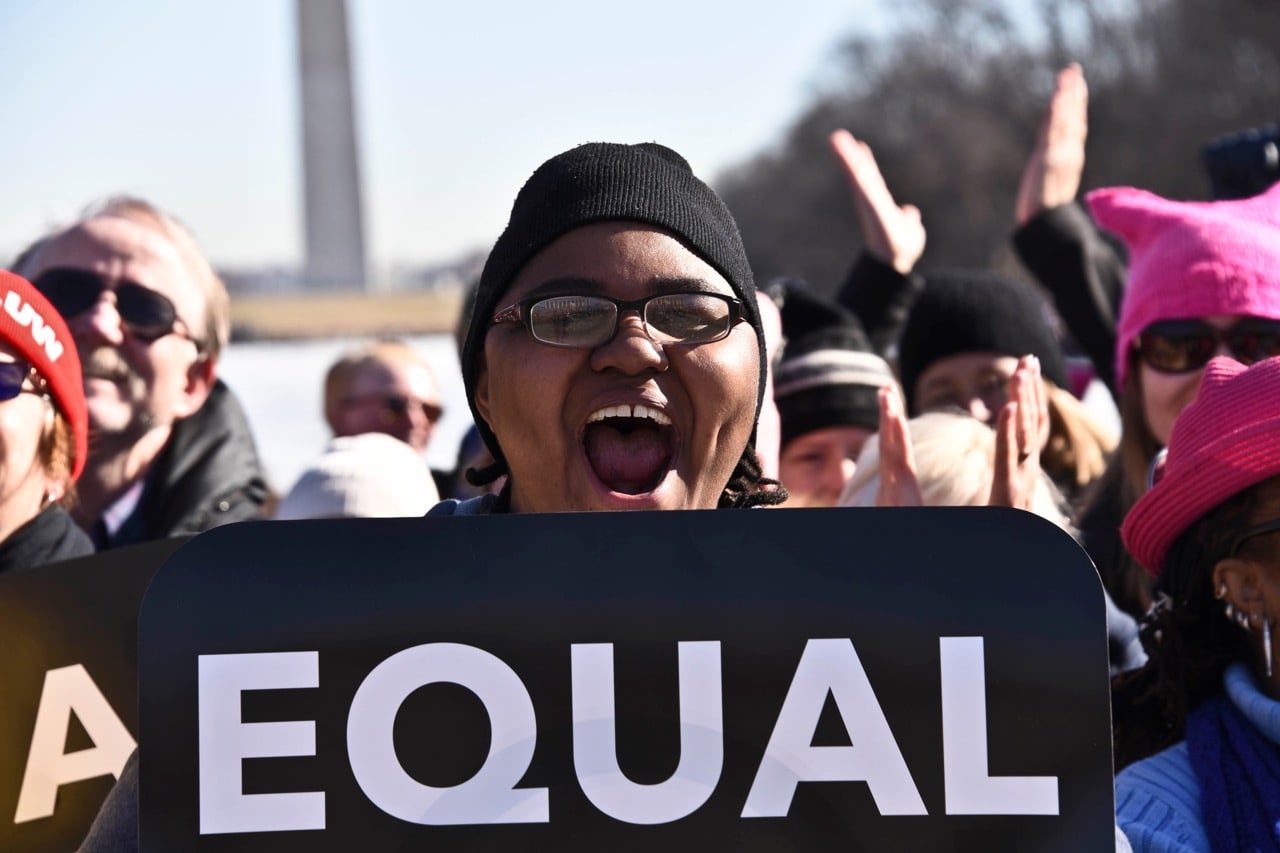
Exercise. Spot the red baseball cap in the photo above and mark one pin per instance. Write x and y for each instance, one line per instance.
(30, 325)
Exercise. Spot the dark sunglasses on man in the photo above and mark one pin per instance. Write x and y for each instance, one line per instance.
(1182, 346)
(145, 313)
(17, 377)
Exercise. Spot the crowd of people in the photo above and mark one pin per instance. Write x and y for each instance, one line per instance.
(618, 355)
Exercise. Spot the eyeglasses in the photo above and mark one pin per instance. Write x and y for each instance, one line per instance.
(1155, 471)
(13, 379)
(147, 314)
(1181, 346)
(1251, 532)
(397, 406)
(592, 321)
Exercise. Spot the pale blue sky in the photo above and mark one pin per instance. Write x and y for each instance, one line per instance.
(192, 103)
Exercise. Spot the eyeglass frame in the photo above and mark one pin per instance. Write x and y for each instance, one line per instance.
(519, 312)
(177, 326)
(1251, 532)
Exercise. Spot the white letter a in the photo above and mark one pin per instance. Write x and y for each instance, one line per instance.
(67, 690)
(832, 666)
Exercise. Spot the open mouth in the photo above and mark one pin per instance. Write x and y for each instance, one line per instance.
(629, 448)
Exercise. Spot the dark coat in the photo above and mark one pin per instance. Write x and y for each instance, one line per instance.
(1085, 274)
(207, 475)
(49, 537)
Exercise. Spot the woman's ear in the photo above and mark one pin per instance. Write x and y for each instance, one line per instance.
(1238, 582)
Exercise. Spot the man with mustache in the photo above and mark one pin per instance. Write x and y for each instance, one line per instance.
(170, 451)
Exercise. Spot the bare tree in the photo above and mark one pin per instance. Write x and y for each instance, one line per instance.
(951, 101)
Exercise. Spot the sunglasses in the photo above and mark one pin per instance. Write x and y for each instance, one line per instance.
(13, 379)
(145, 313)
(592, 321)
(398, 406)
(1181, 346)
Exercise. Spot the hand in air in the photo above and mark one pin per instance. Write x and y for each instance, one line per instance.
(891, 232)
(1052, 174)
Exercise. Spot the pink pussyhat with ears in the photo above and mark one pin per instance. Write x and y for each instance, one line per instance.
(1192, 259)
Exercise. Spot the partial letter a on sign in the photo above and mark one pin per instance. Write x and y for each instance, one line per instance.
(68, 690)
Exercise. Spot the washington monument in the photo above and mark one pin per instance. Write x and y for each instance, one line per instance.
(331, 168)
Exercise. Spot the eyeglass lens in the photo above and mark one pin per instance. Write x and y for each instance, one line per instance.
(586, 321)
(146, 313)
(13, 374)
(1183, 346)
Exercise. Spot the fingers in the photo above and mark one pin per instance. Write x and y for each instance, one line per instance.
(1031, 411)
(1051, 177)
(1021, 433)
(1068, 112)
(899, 485)
(892, 233)
(1003, 471)
(860, 167)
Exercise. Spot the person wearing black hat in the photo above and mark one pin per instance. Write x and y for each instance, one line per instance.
(615, 355)
(959, 349)
(825, 386)
(958, 334)
(614, 359)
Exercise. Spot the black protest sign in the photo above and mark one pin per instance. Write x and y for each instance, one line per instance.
(756, 680)
(69, 675)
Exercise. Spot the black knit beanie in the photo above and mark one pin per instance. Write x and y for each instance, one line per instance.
(963, 312)
(828, 374)
(601, 182)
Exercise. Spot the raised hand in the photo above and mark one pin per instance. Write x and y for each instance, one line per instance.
(1052, 174)
(893, 233)
(1022, 429)
(899, 485)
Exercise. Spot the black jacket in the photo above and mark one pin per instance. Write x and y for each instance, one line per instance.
(1066, 253)
(49, 537)
(208, 474)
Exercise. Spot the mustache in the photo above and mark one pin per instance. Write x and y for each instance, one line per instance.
(105, 362)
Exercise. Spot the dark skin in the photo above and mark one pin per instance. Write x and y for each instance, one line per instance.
(1250, 582)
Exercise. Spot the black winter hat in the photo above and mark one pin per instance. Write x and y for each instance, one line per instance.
(963, 312)
(601, 182)
(829, 374)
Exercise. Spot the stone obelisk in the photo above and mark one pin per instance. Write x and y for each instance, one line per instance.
(331, 169)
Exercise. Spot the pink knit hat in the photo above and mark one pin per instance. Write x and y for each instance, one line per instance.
(1191, 259)
(29, 324)
(1225, 441)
